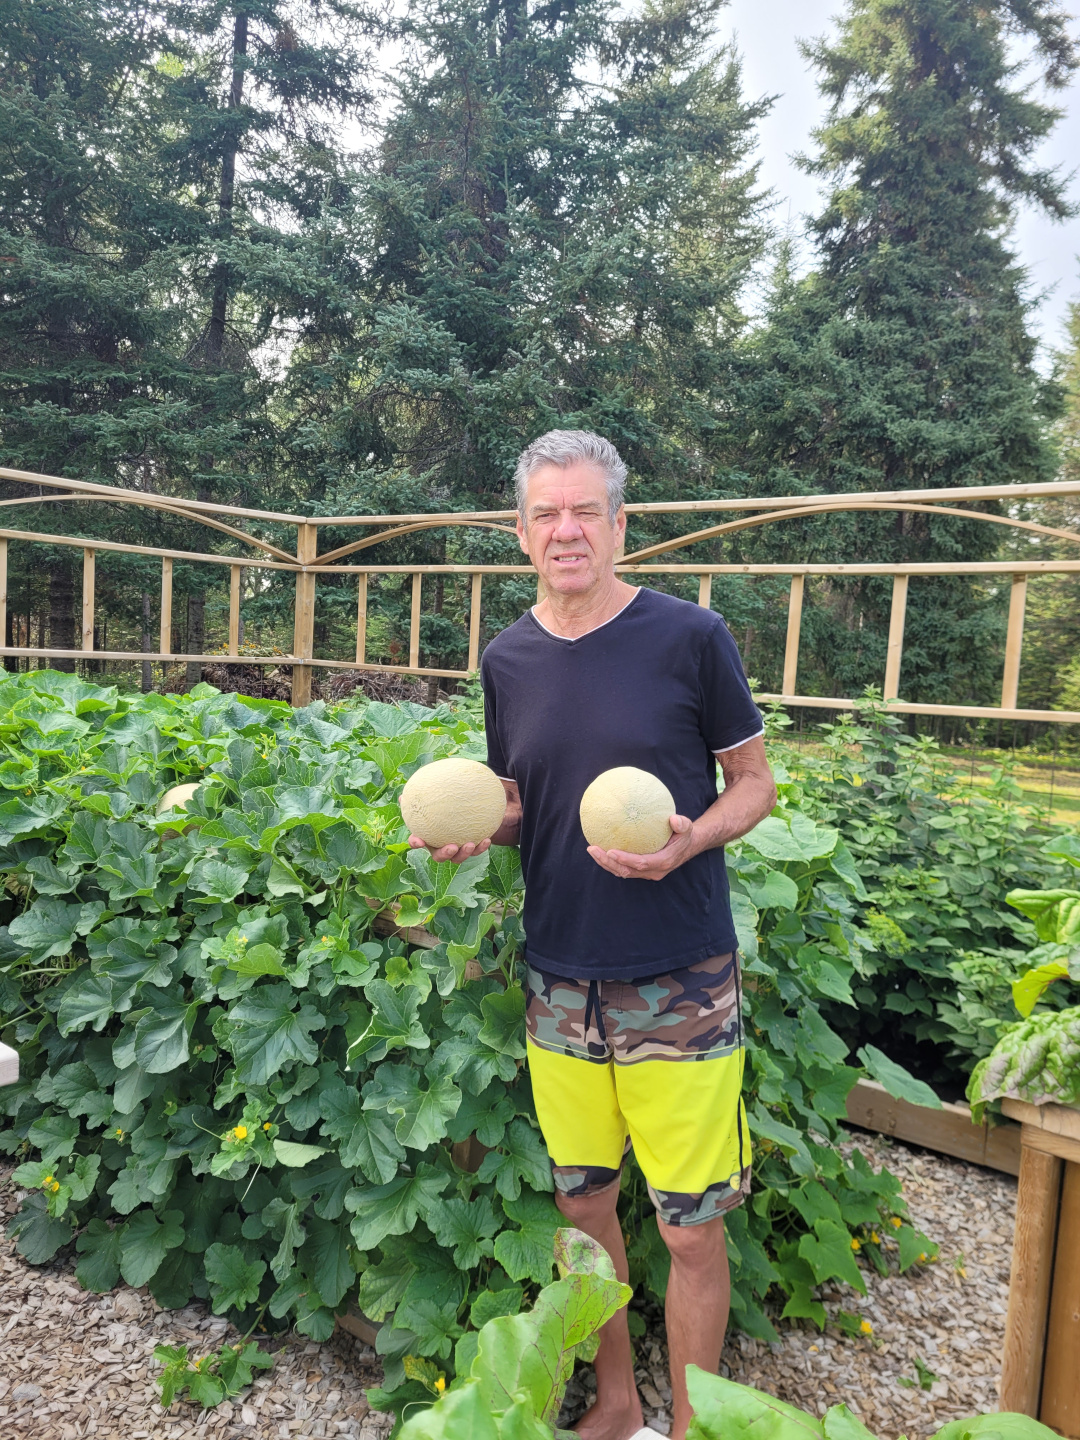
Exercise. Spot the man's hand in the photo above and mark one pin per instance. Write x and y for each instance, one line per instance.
(681, 847)
(455, 854)
(507, 833)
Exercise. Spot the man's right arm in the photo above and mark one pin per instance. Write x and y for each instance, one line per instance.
(508, 833)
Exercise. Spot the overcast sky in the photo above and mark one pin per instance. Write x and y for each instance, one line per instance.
(766, 34)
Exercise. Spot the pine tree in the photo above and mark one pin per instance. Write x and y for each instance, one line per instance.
(163, 192)
(905, 359)
(559, 222)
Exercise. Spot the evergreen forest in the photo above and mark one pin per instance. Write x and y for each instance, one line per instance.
(331, 258)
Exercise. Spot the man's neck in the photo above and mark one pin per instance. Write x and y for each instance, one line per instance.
(572, 616)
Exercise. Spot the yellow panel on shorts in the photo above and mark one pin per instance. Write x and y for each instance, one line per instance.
(577, 1108)
(684, 1119)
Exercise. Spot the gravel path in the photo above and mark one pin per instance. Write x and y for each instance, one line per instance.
(73, 1364)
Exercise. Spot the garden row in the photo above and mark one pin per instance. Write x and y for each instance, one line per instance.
(234, 1088)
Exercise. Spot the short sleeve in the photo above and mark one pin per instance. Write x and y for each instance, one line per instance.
(729, 716)
(495, 758)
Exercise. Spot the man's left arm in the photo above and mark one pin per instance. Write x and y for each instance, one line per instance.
(749, 795)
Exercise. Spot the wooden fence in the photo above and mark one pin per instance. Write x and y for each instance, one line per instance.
(307, 564)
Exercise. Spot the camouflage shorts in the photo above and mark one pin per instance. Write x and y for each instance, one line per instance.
(655, 1065)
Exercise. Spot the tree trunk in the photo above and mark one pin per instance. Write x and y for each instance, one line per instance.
(11, 662)
(215, 339)
(61, 614)
(147, 665)
(196, 610)
(435, 660)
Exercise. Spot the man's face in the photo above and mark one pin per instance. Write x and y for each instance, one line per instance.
(568, 535)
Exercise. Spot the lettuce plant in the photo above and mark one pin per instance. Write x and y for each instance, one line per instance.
(1038, 1060)
(724, 1410)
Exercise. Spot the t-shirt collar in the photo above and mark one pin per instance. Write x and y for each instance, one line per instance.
(573, 639)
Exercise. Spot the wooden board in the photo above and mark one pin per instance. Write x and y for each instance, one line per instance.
(1060, 1405)
(9, 1065)
(1054, 1119)
(949, 1130)
(1029, 1283)
(354, 1322)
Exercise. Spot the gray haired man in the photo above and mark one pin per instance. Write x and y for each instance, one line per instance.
(634, 1004)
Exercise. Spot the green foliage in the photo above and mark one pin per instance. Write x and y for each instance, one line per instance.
(234, 1088)
(939, 949)
(904, 359)
(724, 1410)
(520, 1363)
(216, 1377)
(1038, 1060)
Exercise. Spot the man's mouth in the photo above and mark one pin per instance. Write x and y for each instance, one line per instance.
(568, 559)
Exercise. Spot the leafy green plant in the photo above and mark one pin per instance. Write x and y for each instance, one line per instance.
(1038, 1060)
(512, 1375)
(216, 1377)
(237, 1086)
(939, 951)
(724, 1410)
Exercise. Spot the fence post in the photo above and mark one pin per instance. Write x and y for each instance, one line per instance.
(307, 544)
(361, 618)
(234, 608)
(704, 591)
(165, 638)
(794, 627)
(474, 622)
(1014, 641)
(414, 620)
(3, 593)
(896, 638)
(88, 600)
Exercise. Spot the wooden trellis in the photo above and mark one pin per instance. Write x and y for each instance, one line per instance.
(308, 565)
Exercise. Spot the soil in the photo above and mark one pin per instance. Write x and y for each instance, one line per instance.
(75, 1364)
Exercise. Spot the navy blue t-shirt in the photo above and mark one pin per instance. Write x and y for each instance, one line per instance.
(661, 687)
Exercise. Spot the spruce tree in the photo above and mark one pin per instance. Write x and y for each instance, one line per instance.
(164, 192)
(904, 360)
(557, 227)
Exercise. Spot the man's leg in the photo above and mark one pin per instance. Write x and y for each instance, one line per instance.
(696, 1311)
(617, 1412)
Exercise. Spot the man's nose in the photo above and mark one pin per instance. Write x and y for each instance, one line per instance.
(568, 527)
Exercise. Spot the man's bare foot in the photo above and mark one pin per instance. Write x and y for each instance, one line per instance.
(611, 1422)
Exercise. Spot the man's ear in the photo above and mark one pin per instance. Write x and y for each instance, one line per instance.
(620, 534)
(523, 539)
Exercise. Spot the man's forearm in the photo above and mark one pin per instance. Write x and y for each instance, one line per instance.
(509, 832)
(745, 802)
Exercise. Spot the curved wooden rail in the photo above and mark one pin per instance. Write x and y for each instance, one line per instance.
(306, 565)
(411, 529)
(729, 527)
(166, 507)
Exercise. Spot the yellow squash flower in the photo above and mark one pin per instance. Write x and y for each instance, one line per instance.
(240, 1132)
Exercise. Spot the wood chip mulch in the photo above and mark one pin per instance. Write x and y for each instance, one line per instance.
(74, 1364)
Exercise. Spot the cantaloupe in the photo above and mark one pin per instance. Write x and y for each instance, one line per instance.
(627, 809)
(177, 798)
(451, 802)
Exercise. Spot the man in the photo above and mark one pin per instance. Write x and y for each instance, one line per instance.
(634, 1015)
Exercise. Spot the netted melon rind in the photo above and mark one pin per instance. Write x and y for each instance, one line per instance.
(453, 802)
(627, 809)
(177, 798)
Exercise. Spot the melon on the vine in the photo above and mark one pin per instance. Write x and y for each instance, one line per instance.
(452, 802)
(177, 798)
(627, 809)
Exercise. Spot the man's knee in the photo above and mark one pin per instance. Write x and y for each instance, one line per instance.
(586, 1210)
(695, 1244)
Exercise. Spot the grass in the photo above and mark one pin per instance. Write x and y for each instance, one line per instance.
(1050, 788)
